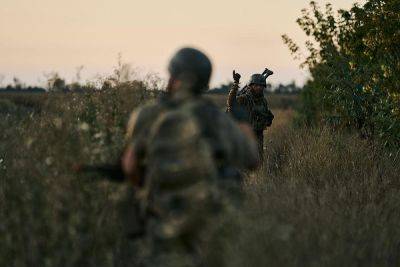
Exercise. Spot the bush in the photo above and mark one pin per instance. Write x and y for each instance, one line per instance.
(354, 61)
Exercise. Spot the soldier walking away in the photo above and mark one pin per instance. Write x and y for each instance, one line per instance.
(251, 101)
(185, 156)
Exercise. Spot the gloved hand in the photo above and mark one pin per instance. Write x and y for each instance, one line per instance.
(236, 77)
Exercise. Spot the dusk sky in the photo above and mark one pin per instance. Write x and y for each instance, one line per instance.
(38, 36)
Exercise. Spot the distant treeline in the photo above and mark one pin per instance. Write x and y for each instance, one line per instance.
(60, 86)
(29, 89)
(286, 89)
(56, 84)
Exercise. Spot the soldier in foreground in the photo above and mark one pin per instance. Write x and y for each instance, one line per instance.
(251, 100)
(185, 156)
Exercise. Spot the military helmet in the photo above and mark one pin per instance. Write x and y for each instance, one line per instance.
(192, 67)
(258, 79)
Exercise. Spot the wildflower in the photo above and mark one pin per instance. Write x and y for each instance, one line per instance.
(58, 123)
(29, 142)
(49, 161)
(83, 127)
(98, 135)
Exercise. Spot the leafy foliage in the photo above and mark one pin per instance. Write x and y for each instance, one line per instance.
(354, 61)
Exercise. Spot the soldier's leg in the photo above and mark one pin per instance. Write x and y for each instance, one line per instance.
(260, 143)
(170, 253)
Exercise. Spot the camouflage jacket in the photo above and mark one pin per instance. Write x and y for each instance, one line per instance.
(184, 147)
(258, 113)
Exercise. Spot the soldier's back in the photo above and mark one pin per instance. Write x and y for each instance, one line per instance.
(191, 152)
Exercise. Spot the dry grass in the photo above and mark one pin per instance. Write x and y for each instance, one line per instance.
(322, 198)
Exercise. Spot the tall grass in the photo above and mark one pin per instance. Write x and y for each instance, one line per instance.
(49, 216)
(321, 198)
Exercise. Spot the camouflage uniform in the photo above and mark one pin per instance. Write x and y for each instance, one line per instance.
(256, 108)
(188, 154)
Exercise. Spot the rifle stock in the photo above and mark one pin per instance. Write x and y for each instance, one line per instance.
(111, 172)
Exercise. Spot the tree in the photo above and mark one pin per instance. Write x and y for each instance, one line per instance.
(55, 83)
(18, 85)
(354, 61)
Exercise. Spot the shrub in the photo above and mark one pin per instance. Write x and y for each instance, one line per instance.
(354, 61)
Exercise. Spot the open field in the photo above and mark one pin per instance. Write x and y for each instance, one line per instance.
(322, 198)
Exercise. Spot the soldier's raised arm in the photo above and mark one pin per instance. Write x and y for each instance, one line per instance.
(231, 101)
(235, 104)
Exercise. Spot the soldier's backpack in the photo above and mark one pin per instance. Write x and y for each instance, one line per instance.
(180, 174)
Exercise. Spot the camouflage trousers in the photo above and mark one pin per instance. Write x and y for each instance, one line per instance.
(196, 247)
(179, 232)
(260, 142)
(171, 253)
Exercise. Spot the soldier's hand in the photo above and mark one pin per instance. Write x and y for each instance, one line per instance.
(236, 77)
(129, 166)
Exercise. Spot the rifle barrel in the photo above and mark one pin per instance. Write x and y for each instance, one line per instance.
(111, 172)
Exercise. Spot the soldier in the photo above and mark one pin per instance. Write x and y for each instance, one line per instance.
(185, 154)
(251, 100)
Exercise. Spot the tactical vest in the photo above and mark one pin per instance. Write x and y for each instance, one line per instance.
(259, 115)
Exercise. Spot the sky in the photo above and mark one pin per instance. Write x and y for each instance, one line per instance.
(40, 36)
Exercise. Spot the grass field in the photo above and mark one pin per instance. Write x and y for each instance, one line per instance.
(322, 198)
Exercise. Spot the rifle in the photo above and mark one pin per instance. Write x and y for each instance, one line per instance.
(111, 172)
(265, 73)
